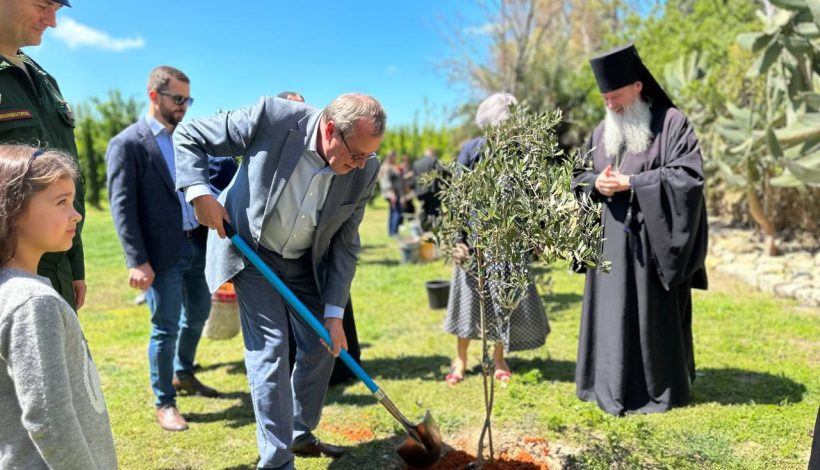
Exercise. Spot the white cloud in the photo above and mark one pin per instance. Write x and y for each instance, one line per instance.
(75, 35)
(483, 30)
(391, 70)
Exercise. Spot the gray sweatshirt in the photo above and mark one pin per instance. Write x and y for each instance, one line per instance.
(52, 410)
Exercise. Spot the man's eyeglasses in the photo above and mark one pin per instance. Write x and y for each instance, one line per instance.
(355, 157)
(178, 100)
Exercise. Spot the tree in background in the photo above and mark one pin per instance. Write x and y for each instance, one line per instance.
(538, 51)
(97, 122)
(412, 139)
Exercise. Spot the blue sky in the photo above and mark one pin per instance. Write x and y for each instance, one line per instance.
(236, 52)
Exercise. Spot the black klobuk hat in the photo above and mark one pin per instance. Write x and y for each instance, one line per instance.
(622, 66)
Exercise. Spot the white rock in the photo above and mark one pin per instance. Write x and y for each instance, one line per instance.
(806, 295)
(770, 266)
(800, 276)
(787, 289)
(767, 282)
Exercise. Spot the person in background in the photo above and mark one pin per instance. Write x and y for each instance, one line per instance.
(34, 112)
(53, 413)
(528, 326)
(221, 171)
(291, 96)
(428, 194)
(408, 177)
(635, 349)
(163, 242)
(392, 189)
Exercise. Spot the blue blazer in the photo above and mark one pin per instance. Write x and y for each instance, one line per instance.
(271, 137)
(143, 198)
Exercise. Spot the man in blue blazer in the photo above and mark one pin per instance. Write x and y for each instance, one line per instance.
(163, 242)
(298, 198)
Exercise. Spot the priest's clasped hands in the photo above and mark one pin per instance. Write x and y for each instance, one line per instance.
(611, 181)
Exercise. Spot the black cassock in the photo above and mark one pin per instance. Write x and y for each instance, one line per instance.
(635, 346)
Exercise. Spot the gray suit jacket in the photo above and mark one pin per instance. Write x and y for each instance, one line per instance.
(271, 136)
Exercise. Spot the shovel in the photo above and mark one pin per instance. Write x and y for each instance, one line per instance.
(422, 447)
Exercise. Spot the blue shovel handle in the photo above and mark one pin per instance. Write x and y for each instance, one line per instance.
(297, 304)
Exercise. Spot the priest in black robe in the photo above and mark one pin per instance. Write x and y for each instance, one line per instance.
(644, 165)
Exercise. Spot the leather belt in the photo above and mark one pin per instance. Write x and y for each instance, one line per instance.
(191, 233)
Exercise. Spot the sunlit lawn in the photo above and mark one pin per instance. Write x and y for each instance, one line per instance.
(754, 401)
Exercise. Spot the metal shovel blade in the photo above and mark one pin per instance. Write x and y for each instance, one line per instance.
(422, 447)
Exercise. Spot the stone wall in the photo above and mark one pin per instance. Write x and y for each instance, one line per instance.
(739, 252)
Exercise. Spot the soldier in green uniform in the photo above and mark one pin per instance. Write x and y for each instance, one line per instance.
(33, 112)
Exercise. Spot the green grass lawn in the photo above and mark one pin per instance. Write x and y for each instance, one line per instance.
(753, 403)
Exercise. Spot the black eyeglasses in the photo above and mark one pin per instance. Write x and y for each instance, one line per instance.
(178, 100)
(354, 157)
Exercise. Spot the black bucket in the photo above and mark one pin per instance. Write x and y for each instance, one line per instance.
(438, 292)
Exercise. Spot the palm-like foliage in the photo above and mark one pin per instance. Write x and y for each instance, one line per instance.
(774, 138)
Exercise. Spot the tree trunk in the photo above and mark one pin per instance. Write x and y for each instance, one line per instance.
(486, 372)
(756, 210)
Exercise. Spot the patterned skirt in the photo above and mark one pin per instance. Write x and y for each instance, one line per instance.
(527, 327)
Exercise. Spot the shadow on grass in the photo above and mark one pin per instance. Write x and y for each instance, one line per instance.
(236, 416)
(376, 455)
(545, 369)
(560, 302)
(401, 368)
(737, 386)
(407, 367)
(231, 368)
(384, 262)
(374, 246)
(336, 396)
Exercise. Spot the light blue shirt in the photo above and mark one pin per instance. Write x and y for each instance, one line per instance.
(166, 147)
(289, 228)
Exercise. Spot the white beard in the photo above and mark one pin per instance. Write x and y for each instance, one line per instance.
(631, 128)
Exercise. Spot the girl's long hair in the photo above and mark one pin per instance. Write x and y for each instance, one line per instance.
(25, 171)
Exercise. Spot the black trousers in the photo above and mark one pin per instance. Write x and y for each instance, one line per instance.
(814, 460)
(341, 373)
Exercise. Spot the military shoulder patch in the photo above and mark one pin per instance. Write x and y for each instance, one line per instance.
(15, 115)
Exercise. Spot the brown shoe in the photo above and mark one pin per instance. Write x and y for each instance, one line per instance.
(313, 447)
(191, 385)
(169, 418)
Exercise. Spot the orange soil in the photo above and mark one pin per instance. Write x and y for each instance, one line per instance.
(524, 456)
(350, 433)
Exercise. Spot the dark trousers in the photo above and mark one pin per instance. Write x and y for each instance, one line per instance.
(814, 460)
(430, 210)
(60, 276)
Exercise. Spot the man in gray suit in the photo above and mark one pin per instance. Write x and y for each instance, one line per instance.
(298, 198)
(164, 244)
